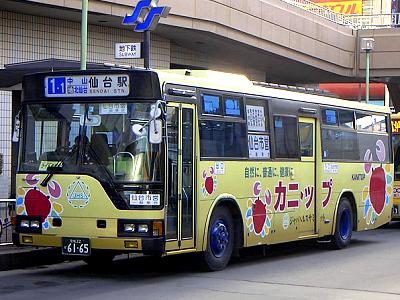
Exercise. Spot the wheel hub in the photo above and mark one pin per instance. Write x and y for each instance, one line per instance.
(219, 238)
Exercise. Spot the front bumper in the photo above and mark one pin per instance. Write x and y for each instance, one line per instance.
(144, 245)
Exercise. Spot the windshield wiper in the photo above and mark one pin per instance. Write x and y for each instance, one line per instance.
(92, 154)
(57, 167)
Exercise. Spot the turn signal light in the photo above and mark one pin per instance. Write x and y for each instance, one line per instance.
(158, 228)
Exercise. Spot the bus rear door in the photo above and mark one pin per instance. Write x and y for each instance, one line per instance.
(308, 156)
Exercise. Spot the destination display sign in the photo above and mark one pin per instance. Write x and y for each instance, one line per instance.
(395, 126)
(104, 85)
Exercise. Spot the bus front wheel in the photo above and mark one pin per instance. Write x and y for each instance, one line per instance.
(344, 225)
(220, 241)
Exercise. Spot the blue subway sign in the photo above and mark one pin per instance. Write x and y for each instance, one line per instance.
(146, 15)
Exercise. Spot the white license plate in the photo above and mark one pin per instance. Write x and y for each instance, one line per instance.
(76, 246)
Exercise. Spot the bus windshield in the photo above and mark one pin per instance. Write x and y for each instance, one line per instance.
(95, 138)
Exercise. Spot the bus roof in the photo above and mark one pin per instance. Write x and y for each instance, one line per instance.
(241, 84)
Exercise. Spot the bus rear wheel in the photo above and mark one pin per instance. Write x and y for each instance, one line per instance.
(219, 242)
(344, 225)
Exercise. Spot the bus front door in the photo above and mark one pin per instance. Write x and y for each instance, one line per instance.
(308, 155)
(180, 229)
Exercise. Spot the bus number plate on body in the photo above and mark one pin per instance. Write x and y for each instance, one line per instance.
(76, 246)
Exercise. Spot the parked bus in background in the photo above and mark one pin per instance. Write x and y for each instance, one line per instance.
(179, 161)
(396, 153)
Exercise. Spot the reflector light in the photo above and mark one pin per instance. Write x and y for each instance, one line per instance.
(131, 244)
(27, 239)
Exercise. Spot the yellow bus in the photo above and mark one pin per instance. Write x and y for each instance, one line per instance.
(396, 153)
(180, 161)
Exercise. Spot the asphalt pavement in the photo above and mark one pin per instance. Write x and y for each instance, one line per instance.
(13, 257)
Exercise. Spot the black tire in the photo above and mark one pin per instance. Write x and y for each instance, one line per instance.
(344, 225)
(220, 241)
(98, 259)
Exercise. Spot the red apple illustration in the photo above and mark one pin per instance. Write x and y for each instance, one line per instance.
(377, 189)
(37, 204)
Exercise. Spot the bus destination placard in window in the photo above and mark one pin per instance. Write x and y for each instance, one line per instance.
(87, 86)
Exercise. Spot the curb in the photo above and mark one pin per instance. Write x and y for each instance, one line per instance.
(29, 257)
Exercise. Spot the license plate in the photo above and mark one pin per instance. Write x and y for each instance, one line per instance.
(76, 246)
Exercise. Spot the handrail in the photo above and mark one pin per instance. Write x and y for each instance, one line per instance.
(388, 20)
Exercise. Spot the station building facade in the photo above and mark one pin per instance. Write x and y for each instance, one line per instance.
(31, 36)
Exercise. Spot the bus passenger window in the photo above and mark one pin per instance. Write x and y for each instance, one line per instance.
(329, 117)
(211, 104)
(223, 139)
(363, 122)
(306, 139)
(233, 107)
(346, 119)
(286, 137)
(379, 123)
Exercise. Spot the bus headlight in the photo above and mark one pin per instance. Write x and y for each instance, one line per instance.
(24, 224)
(129, 227)
(35, 224)
(143, 228)
(140, 228)
(28, 224)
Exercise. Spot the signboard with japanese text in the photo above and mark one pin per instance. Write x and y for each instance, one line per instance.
(113, 109)
(395, 126)
(348, 7)
(127, 50)
(145, 199)
(258, 146)
(87, 86)
(255, 118)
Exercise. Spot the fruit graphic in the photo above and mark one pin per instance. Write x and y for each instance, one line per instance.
(33, 201)
(376, 195)
(37, 204)
(377, 189)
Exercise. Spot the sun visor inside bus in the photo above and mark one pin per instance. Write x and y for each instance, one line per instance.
(91, 85)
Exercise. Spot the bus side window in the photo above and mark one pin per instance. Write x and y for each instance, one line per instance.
(286, 137)
(306, 139)
(223, 139)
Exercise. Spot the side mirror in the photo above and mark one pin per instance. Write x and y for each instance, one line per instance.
(17, 128)
(155, 132)
(155, 110)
